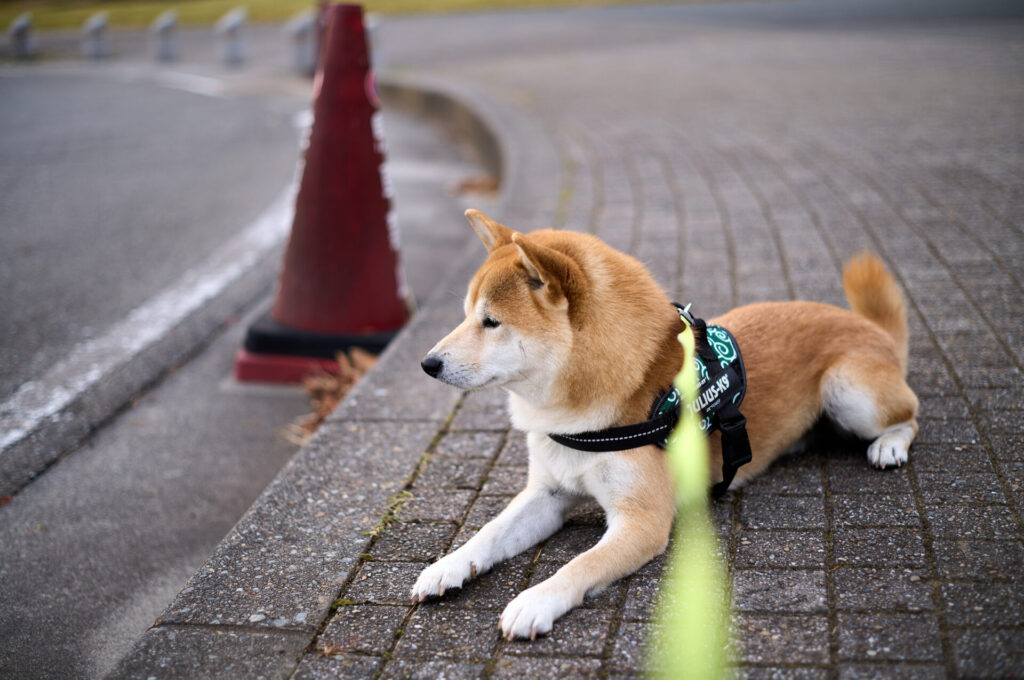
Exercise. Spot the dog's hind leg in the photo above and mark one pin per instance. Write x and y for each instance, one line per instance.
(869, 398)
(533, 515)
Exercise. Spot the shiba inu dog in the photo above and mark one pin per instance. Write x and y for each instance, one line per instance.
(583, 339)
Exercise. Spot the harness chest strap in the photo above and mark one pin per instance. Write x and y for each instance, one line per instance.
(722, 385)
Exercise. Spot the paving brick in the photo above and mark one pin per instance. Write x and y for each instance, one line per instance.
(988, 653)
(779, 590)
(978, 559)
(436, 505)
(988, 605)
(581, 632)
(950, 458)
(319, 667)
(482, 410)
(642, 590)
(946, 489)
(877, 589)
(186, 652)
(791, 475)
(1003, 421)
(929, 377)
(981, 377)
(444, 473)
(889, 637)
(994, 399)
(858, 476)
(947, 431)
(363, 629)
(1007, 447)
(436, 631)
(515, 451)
(492, 589)
(629, 651)
(414, 669)
(870, 511)
(943, 407)
(413, 541)
(878, 547)
(967, 523)
(779, 549)
(891, 671)
(384, 582)
(790, 673)
(505, 481)
(782, 512)
(782, 640)
(516, 667)
(469, 445)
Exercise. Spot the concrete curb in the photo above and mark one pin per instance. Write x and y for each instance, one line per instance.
(261, 598)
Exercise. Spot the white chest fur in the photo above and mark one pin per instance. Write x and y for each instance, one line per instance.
(604, 476)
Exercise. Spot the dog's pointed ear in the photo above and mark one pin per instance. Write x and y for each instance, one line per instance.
(492, 233)
(547, 268)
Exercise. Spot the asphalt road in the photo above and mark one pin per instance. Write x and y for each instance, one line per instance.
(109, 189)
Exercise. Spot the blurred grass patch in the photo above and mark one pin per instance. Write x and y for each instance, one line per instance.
(71, 14)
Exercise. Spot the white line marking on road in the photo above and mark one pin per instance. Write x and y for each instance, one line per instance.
(190, 82)
(91, 361)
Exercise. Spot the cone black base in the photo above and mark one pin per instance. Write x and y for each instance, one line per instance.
(267, 336)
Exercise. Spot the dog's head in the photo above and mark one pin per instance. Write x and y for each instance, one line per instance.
(517, 332)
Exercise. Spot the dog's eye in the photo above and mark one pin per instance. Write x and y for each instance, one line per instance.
(488, 322)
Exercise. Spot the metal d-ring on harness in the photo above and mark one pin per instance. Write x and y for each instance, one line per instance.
(722, 384)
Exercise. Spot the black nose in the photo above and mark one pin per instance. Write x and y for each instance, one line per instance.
(432, 365)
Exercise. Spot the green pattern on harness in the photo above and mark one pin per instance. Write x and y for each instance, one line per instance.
(724, 348)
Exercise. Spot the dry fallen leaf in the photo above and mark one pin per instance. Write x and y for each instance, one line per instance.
(326, 390)
(481, 184)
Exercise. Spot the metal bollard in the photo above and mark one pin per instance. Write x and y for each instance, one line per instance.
(230, 27)
(164, 30)
(372, 33)
(302, 29)
(23, 43)
(95, 44)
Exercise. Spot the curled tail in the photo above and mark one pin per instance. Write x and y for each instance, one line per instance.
(873, 293)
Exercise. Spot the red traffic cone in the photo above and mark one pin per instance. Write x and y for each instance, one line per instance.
(341, 285)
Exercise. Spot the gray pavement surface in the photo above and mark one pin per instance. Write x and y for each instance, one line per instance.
(95, 547)
(743, 151)
(107, 197)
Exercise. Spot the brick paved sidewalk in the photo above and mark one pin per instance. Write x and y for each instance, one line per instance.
(742, 162)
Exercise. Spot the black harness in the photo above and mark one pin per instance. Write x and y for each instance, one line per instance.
(720, 390)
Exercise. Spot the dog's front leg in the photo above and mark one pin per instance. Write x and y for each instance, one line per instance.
(633, 538)
(536, 513)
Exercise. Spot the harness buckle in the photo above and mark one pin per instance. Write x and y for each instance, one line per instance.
(684, 312)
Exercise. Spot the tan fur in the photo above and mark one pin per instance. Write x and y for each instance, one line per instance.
(583, 339)
(872, 293)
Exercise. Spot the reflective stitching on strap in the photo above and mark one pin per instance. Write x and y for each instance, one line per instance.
(577, 438)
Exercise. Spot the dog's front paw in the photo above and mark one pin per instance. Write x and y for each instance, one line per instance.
(448, 572)
(889, 450)
(532, 613)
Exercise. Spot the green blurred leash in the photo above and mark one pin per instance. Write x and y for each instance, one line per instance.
(692, 632)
